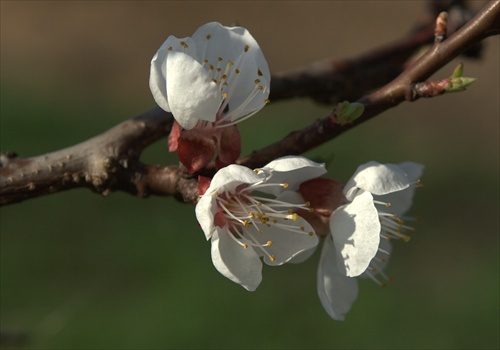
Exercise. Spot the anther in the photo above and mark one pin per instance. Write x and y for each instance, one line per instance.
(245, 246)
(285, 185)
(170, 48)
(259, 72)
(219, 59)
(310, 233)
(246, 48)
(208, 36)
(257, 81)
(272, 258)
(260, 87)
(269, 243)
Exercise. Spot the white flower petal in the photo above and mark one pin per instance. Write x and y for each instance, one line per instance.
(236, 45)
(303, 256)
(336, 291)
(376, 178)
(247, 105)
(230, 177)
(192, 95)
(286, 243)
(292, 170)
(355, 229)
(401, 201)
(205, 211)
(240, 265)
(158, 72)
(229, 43)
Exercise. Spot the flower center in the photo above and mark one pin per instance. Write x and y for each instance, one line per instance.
(226, 74)
(250, 218)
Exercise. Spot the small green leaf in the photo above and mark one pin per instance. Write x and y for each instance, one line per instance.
(457, 73)
(348, 112)
(459, 84)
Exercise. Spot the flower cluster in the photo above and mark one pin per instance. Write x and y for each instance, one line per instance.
(275, 214)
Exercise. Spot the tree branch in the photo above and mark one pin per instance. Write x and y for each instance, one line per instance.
(484, 24)
(332, 81)
(110, 161)
(103, 163)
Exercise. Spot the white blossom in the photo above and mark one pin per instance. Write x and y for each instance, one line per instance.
(361, 231)
(214, 78)
(249, 215)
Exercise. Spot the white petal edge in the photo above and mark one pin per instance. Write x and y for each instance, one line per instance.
(336, 292)
(293, 170)
(230, 177)
(192, 95)
(355, 229)
(158, 70)
(376, 178)
(205, 212)
(401, 201)
(240, 265)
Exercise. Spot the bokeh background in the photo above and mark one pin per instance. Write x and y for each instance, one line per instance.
(82, 271)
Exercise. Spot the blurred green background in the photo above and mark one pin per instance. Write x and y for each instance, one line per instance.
(82, 271)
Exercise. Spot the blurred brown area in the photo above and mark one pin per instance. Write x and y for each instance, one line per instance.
(106, 46)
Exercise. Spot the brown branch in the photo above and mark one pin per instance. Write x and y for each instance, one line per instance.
(103, 163)
(484, 24)
(110, 161)
(335, 80)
